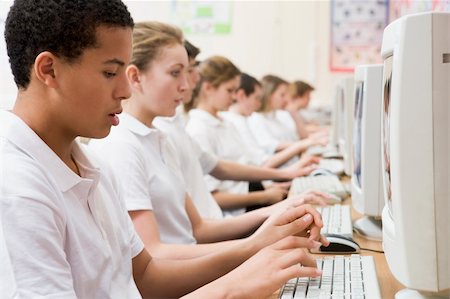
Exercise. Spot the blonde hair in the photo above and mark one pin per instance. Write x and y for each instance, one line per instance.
(148, 40)
(214, 70)
(269, 84)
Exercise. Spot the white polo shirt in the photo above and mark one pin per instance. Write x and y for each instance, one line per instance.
(269, 131)
(259, 155)
(194, 163)
(150, 175)
(219, 137)
(8, 289)
(67, 236)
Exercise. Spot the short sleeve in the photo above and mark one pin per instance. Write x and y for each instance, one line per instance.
(128, 165)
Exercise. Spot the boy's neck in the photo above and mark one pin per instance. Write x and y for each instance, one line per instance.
(28, 107)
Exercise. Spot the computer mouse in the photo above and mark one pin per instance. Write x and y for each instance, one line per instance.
(320, 171)
(338, 244)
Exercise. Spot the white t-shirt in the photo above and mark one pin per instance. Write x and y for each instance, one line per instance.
(259, 155)
(269, 131)
(150, 175)
(67, 236)
(220, 138)
(192, 169)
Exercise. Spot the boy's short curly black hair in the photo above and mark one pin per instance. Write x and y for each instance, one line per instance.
(64, 27)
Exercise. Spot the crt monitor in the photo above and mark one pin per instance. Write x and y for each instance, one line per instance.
(415, 153)
(334, 132)
(366, 182)
(346, 122)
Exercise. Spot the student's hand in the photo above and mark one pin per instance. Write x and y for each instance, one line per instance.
(302, 167)
(312, 197)
(270, 268)
(296, 219)
(274, 195)
(307, 160)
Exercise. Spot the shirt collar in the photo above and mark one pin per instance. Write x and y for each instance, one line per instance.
(206, 117)
(134, 125)
(20, 134)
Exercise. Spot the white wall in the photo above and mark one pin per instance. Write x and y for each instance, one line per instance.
(286, 38)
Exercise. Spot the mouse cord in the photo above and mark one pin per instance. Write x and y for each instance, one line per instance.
(373, 250)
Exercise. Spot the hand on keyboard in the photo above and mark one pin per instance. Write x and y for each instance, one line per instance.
(271, 267)
(302, 167)
(303, 220)
(312, 197)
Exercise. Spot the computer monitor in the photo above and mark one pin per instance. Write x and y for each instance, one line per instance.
(345, 123)
(415, 152)
(366, 182)
(335, 118)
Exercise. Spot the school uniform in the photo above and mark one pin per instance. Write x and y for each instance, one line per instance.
(67, 236)
(8, 289)
(194, 164)
(148, 169)
(269, 131)
(220, 138)
(240, 122)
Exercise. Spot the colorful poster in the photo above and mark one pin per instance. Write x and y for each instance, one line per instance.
(356, 33)
(400, 8)
(202, 16)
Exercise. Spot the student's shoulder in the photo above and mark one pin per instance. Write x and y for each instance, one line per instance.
(22, 174)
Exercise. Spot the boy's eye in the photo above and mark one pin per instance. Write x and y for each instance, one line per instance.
(175, 73)
(109, 74)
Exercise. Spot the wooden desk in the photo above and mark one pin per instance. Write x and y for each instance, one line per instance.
(387, 282)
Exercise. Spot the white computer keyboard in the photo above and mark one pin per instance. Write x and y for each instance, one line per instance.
(343, 277)
(337, 219)
(335, 166)
(325, 183)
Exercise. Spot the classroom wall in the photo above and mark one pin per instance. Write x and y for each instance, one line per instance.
(286, 38)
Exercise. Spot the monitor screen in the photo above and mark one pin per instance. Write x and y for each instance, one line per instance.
(359, 94)
(387, 81)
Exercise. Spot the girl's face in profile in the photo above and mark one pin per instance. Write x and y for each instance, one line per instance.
(164, 82)
(222, 96)
(278, 99)
(252, 102)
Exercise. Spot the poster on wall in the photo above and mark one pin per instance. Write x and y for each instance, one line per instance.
(400, 8)
(204, 17)
(356, 33)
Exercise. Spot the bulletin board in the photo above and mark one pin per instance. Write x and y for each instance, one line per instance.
(204, 17)
(356, 33)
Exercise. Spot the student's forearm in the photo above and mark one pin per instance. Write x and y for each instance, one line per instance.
(231, 228)
(173, 279)
(227, 170)
(185, 251)
(236, 201)
(288, 153)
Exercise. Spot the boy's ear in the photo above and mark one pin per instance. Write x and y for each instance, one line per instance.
(44, 68)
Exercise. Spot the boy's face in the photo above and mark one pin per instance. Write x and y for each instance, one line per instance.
(91, 89)
(193, 78)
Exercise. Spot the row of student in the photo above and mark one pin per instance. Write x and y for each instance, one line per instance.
(218, 87)
(63, 209)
